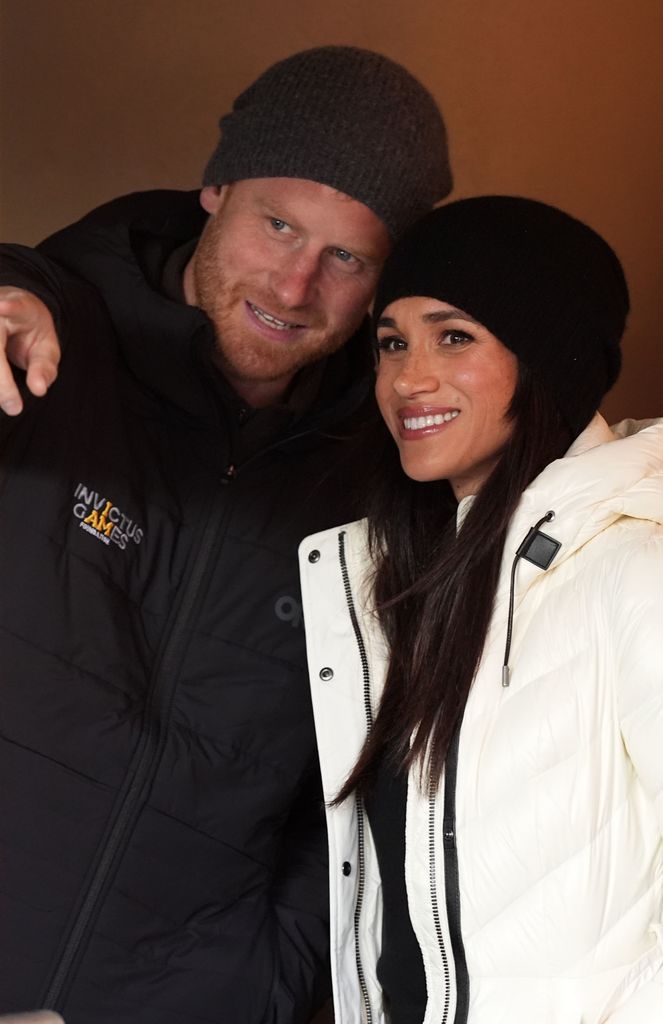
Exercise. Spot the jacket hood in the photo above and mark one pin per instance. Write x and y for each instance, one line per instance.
(121, 247)
(607, 473)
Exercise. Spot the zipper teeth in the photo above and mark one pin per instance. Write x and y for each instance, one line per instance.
(361, 866)
(357, 630)
(146, 758)
(452, 883)
(358, 905)
(435, 905)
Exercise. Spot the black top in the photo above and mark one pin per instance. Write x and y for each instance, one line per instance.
(400, 968)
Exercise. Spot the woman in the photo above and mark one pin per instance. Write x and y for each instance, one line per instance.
(486, 651)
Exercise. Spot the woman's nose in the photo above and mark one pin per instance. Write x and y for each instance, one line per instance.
(416, 376)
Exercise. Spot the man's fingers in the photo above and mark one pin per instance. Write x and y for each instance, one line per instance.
(27, 340)
(10, 399)
(42, 365)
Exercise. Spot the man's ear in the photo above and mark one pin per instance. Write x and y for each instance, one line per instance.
(212, 197)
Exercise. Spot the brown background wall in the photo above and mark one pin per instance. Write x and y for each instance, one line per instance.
(558, 100)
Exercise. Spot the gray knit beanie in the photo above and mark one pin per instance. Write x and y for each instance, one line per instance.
(344, 117)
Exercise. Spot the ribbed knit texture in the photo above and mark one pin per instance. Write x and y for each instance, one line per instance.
(547, 285)
(344, 117)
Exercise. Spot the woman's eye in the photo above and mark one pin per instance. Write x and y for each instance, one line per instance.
(456, 337)
(390, 343)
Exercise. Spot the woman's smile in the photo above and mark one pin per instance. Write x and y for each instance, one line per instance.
(420, 422)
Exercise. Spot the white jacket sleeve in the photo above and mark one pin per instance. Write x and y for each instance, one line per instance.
(644, 1007)
(637, 629)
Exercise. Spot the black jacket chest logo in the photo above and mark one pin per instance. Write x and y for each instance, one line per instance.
(99, 516)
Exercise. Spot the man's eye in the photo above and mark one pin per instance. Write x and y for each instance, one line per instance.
(344, 256)
(277, 223)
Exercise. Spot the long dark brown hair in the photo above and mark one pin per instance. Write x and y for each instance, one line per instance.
(435, 586)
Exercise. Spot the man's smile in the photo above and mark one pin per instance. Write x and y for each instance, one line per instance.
(270, 320)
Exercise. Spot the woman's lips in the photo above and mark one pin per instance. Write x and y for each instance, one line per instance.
(414, 423)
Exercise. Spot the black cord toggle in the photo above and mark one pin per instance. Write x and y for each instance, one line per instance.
(539, 549)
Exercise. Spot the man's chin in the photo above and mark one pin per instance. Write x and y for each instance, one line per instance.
(266, 362)
(257, 370)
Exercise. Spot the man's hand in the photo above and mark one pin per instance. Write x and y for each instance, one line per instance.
(28, 340)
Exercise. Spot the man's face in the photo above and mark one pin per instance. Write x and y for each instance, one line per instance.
(285, 269)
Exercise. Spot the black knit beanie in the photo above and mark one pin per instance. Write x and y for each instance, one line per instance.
(549, 287)
(344, 117)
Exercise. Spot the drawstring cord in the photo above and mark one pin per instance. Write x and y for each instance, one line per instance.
(521, 553)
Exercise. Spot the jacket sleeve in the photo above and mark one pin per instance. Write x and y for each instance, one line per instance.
(645, 1007)
(638, 628)
(301, 908)
(25, 268)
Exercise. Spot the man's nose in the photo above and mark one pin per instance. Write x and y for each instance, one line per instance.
(295, 279)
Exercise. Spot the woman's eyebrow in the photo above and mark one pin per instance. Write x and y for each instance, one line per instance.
(436, 317)
(440, 316)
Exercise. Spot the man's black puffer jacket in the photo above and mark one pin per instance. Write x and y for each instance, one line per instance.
(162, 846)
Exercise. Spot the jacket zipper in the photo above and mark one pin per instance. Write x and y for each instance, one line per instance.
(450, 852)
(361, 882)
(143, 766)
(452, 883)
(451, 887)
(361, 865)
(435, 906)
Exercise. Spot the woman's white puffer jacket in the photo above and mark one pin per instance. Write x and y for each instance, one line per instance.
(552, 859)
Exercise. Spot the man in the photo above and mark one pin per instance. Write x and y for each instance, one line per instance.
(163, 847)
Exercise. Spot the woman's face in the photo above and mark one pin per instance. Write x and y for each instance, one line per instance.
(444, 385)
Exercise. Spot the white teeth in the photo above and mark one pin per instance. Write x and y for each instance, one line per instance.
(419, 422)
(267, 318)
